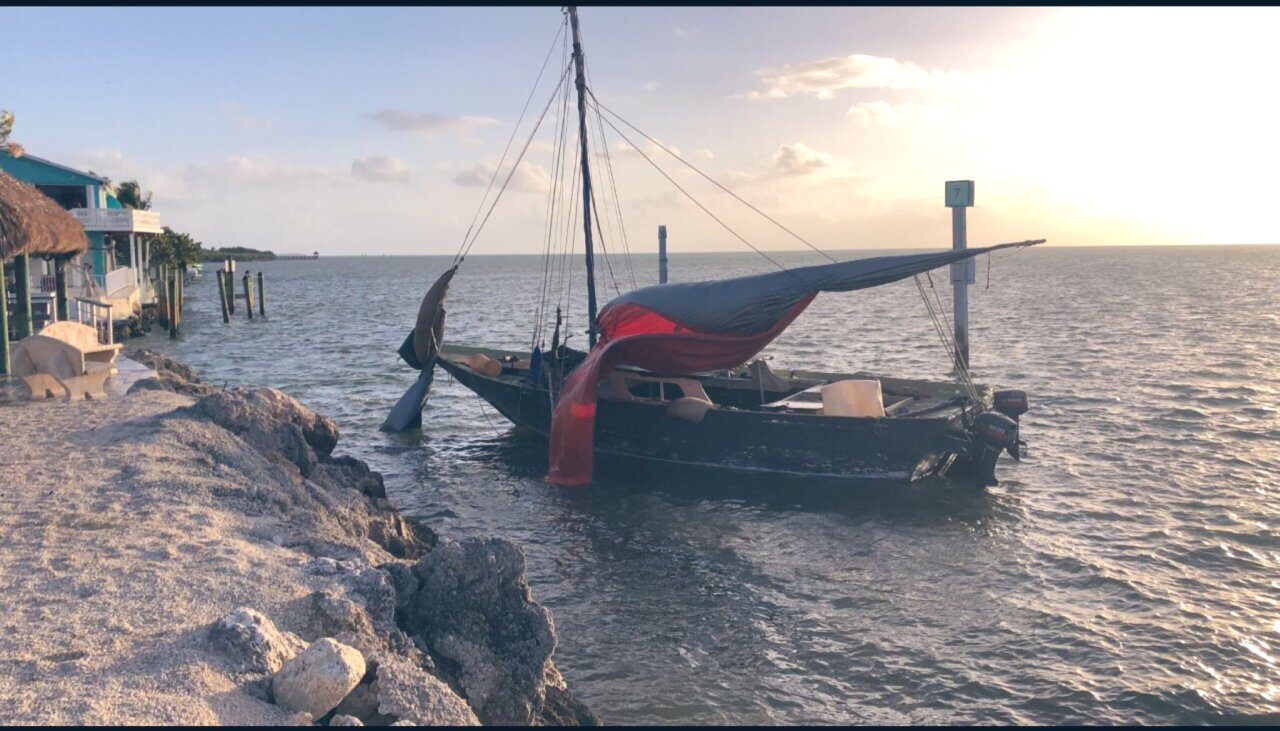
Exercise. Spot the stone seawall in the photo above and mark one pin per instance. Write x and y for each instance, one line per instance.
(202, 556)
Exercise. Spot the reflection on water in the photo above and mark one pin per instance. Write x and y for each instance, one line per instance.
(1126, 572)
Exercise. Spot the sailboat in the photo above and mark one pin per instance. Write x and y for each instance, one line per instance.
(671, 373)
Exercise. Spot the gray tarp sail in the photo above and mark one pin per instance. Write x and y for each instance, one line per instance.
(749, 305)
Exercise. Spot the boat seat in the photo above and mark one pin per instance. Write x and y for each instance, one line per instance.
(65, 359)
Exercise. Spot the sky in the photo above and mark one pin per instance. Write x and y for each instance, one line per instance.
(376, 130)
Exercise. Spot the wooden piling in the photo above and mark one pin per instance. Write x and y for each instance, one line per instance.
(4, 322)
(262, 297)
(22, 295)
(179, 276)
(60, 288)
(231, 285)
(248, 295)
(173, 319)
(222, 295)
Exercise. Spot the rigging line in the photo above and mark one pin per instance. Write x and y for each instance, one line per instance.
(617, 204)
(608, 264)
(570, 246)
(613, 183)
(552, 189)
(595, 207)
(555, 258)
(940, 332)
(515, 165)
(694, 200)
(713, 181)
(962, 369)
(952, 352)
(486, 415)
(511, 139)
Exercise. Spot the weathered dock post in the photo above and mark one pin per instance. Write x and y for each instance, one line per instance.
(959, 196)
(662, 254)
(22, 293)
(4, 321)
(60, 287)
(173, 295)
(231, 285)
(222, 295)
(248, 295)
(262, 297)
(181, 277)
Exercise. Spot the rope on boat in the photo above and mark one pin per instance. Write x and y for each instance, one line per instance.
(613, 183)
(710, 179)
(946, 337)
(554, 209)
(514, 166)
(458, 256)
(690, 197)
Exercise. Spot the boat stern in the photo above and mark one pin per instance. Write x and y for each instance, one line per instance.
(987, 433)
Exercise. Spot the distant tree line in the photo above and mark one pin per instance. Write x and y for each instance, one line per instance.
(174, 247)
(239, 253)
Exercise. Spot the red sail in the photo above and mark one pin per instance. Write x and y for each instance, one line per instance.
(637, 336)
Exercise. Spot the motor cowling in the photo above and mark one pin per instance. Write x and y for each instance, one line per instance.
(996, 430)
(1011, 402)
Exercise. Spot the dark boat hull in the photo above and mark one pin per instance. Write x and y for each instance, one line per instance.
(754, 441)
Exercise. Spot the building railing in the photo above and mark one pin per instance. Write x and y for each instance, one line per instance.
(118, 219)
(97, 315)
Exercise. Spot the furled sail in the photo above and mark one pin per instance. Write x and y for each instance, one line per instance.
(700, 326)
(419, 350)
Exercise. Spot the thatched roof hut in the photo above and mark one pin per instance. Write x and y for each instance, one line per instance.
(32, 223)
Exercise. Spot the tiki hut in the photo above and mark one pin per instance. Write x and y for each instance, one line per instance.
(32, 223)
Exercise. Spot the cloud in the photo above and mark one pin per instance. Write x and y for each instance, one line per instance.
(703, 153)
(682, 32)
(528, 177)
(192, 185)
(798, 158)
(649, 85)
(243, 120)
(824, 77)
(380, 169)
(427, 123)
(624, 150)
(885, 114)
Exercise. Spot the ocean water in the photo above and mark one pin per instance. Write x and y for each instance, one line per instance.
(1127, 572)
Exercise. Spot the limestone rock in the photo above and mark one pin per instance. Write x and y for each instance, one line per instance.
(343, 720)
(276, 439)
(319, 431)
(251, 639)
(361, 703)
(561, 708)
(409, 693)
(317, 680)
(164, 366)
(300, 719)
(355, 473)
(474, 609)
(172, 385)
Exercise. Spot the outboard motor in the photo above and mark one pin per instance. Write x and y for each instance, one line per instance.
(1011, 402)
(997, 431)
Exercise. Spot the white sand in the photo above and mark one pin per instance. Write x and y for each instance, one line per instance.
(123, 535)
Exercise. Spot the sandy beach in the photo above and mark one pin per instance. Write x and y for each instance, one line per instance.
(132, 528)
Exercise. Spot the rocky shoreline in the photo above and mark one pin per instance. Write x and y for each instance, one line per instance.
(355, 615)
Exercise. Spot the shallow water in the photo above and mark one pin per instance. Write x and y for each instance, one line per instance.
(1128, 571)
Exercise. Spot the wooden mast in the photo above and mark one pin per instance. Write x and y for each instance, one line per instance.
(586, 175)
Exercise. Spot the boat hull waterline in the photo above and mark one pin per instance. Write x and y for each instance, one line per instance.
(860, 449)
